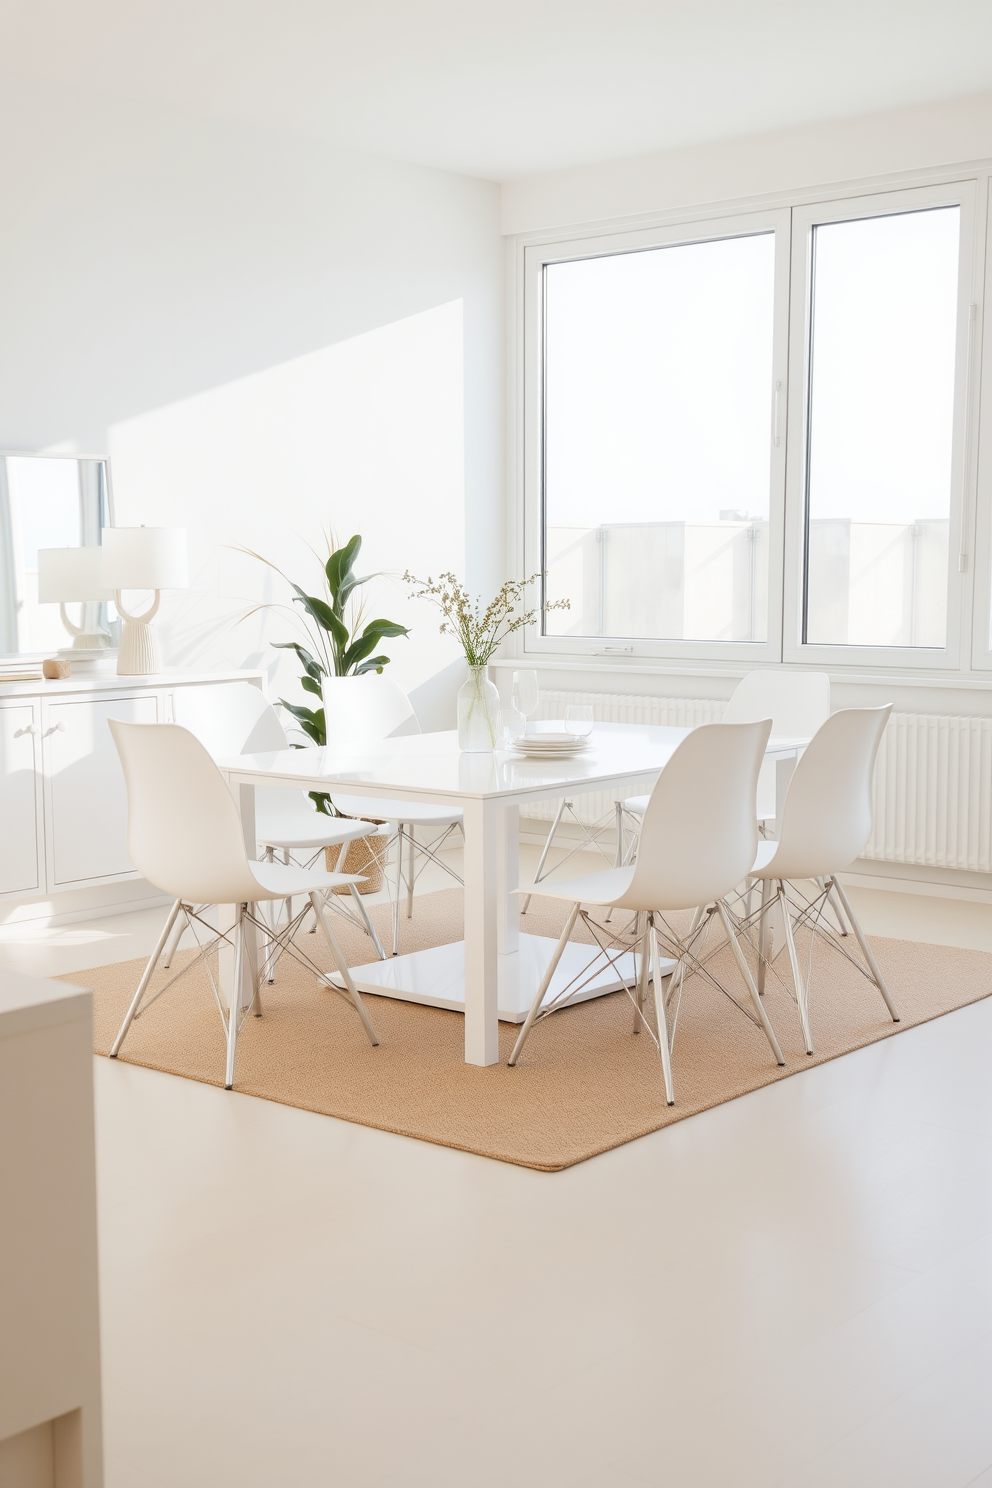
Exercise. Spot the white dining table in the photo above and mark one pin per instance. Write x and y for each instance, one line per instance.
(494, 972)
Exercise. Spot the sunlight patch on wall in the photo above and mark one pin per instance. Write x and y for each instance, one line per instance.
(364, 436)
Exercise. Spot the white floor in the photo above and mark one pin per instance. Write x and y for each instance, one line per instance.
(794, 1289)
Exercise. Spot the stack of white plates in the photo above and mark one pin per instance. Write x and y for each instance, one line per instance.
(550, 746)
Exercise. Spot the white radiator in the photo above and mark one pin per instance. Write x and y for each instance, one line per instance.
(932, 792)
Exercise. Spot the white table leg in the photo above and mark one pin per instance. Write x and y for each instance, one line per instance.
(508, 871)
(226, 916)
(481, 930)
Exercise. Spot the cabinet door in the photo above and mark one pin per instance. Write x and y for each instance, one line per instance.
(20, 800)
(87, 800)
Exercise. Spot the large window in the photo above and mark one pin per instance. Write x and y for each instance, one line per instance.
(746, 438)
(654, 528)
(884, 297)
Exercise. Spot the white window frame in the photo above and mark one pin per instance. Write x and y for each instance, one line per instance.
(969, 622)
(851, 208)
(701, 228)
(976, 541)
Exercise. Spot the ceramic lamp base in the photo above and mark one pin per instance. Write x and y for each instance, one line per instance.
(138, 653)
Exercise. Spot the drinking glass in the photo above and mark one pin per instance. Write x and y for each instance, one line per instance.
(510, 725)
(578, 720)
(524, 693)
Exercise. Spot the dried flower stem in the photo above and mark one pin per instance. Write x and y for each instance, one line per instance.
(479, 633)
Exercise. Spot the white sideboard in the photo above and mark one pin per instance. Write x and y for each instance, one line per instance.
(63, 807)
(50, 1427)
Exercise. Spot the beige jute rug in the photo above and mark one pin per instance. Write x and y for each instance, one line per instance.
(585, 1083)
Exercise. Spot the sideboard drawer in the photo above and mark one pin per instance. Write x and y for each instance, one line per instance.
(87, 816)
(21, 857)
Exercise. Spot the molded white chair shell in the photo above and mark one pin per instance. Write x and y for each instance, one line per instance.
(365, 710)
(825, 824)
(236, 718)
(827, 817)
(797, 704)
(184, 836)
(698, 840)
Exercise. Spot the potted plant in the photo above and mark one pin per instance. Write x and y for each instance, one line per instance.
(339, 643)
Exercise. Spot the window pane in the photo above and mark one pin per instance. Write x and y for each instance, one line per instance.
(658, 370)
(880, 423)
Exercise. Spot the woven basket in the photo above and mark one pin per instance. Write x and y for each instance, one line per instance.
(364, 855)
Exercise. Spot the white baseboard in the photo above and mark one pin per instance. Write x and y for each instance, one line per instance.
(82, 904)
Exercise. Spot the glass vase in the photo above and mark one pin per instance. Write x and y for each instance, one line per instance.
(478, 705)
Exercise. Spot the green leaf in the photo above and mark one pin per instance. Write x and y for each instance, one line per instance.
(311, 721)
(338, 570)
(311, 684)
(374, 632)
(384, 628)
(311, 666)
(322, 802)
(318, 608)
(375, 665)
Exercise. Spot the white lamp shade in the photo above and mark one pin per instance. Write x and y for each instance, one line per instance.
(145, 558)
(69, 574)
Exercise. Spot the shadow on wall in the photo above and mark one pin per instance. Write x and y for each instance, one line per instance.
(364, 436)
(435, 701)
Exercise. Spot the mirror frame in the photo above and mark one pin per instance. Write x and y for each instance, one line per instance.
(104, 460)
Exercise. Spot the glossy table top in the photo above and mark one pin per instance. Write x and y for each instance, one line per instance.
(432, 765)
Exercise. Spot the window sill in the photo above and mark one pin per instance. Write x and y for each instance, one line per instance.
(967, 681)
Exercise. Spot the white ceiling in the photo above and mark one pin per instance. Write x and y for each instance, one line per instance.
(503, 88)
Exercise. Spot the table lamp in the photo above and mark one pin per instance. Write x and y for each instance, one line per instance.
(75, 576)
(142, 558)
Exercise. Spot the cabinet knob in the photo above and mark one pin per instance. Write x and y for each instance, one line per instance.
(56, 728)
(28, 729)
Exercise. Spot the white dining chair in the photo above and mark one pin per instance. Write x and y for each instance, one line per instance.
(184, 836)
(825, 824)
(698, 838)
(365, 710)
(796, 702)
(237, 718)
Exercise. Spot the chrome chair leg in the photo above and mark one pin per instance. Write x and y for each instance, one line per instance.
(367, 922)
(620, 852)
(618, 857)
(146, 977)
(866, 950)
(835, 904)
(641, 938)
(544, 852)
(765, 946)
(234, 1010)
(411, 850)
(802, 991)
(745, 972)
(545, 984)
(320, 910)
(664, 1047)
(399, 888)
(173, 946)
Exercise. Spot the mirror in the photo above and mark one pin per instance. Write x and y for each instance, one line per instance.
(46, 501)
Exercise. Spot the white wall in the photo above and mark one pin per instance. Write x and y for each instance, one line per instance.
(269, 338)
(788, 160)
